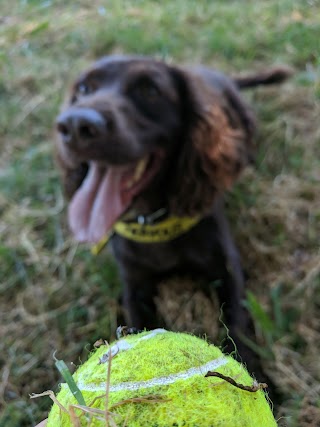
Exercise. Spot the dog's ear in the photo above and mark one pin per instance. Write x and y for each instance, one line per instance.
(217, 142)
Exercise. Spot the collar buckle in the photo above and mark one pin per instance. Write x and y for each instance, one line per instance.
(151, 218)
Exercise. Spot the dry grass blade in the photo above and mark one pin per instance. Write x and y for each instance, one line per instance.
(75, 421)
(107, 418)
(52, 396)
(96, 413)
(145, 399)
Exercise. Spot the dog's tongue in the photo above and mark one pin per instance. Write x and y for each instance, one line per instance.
(98, 203)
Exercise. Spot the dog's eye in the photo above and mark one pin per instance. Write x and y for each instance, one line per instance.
(146, 90)
(81, 89)
(84, 89)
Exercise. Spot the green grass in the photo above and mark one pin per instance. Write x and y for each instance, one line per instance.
(56, 296)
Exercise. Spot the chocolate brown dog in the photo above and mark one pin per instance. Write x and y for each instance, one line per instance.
(147, 150)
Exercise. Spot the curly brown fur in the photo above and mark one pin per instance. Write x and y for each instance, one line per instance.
(218, 146)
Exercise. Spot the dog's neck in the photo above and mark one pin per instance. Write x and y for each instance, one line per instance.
(150, 205)
(149, 218)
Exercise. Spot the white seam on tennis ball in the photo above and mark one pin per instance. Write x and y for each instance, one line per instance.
(152, 333)
(123, 344)
(161, 381)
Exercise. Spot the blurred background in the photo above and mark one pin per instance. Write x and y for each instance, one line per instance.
(55, 295)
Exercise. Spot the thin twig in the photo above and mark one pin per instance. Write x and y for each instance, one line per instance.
(255, 387)
(108, 386)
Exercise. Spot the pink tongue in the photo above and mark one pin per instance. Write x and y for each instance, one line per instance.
(97, 204)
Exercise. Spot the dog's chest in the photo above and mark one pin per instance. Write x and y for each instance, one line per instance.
(196, 251)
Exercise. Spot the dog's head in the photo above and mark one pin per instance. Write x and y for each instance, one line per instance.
(135, 126)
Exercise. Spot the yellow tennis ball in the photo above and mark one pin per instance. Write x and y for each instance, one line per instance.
(158, 380)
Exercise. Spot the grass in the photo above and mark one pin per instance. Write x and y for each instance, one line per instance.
(55, 295)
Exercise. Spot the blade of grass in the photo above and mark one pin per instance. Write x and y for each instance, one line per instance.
(259, 314)
(64, 371)
(277, 309)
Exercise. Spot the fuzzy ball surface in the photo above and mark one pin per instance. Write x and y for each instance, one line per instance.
(158, 380)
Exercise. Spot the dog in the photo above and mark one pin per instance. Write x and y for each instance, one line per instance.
(147, 150)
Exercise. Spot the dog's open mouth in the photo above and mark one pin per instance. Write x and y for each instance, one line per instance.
(106, 193)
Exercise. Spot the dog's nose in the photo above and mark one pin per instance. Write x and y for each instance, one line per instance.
(80, 126)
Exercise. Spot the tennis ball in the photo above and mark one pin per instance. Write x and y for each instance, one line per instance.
(158, 379)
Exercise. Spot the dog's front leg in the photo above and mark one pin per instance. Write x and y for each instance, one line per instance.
(139, 303)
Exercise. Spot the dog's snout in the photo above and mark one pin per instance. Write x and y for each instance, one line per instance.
(80, 126)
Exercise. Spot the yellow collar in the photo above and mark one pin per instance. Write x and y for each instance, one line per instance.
(162, 231)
